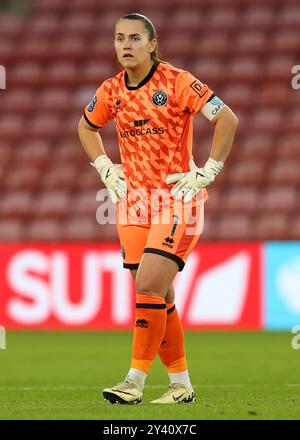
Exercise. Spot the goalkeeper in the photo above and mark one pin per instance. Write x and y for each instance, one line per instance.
(153, 104)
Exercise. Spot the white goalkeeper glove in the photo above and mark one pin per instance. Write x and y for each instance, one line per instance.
(112, 175)
(190, 183)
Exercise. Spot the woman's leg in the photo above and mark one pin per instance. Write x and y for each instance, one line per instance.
(153, 278)
(171, 351)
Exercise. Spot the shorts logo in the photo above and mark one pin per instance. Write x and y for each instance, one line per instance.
(141, 323)
(160, 98)
(92, 104)
(123, 252)
(168, 242)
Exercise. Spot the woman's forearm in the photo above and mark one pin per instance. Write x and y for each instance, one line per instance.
(225, 127)
(90, 140)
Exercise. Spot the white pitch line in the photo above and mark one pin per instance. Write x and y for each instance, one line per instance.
(158, 386)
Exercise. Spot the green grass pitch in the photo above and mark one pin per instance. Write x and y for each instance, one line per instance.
(236, 375)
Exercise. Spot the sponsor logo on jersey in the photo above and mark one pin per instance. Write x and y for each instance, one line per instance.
(142, 132)
(160, 98)
(141, 122)
(199, 88)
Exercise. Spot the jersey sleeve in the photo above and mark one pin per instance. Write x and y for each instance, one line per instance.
(97, 112)
(191, 94)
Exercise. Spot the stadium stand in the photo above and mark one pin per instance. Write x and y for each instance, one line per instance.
(56, 53)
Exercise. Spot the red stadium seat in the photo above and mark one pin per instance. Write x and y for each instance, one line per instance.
(255, 145)
(267, 119)
(21, 99)
(289, 146)
(53, 99)
(47, 24)
(22, 178)
(67, 152)
(15, 204)
(52, 204)
(69, 48)
(280, 199)
(233, 227)
(251, 42)
(32, 152)
(223, 18)
(244, 70)
(85, 203)
(43, 125)
(285, 172)
(294, 228)
(34, 49)
(270, 227)
(186, 20)
(45, 230)
(83, 228)
(258, 15)
(12, 230)
(61, 175)
(241, 200)
(211, 45)
(89, 179)
(11, 126)
(250, 172)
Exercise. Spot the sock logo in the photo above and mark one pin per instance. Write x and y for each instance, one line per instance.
(141, 323)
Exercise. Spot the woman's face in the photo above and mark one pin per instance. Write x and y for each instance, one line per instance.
(132, 43)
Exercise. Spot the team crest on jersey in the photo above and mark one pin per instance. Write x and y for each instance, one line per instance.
(92, 104)
(160, 98)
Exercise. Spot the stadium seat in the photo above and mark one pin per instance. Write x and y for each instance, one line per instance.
(251, 172)
(32, 152)
(82, 228)
(270, 227)
(22, 177)
(240, 200)
(289, 146)
(45, 230)
(258, 15)
(285, 172)
(52, 204)
(233, 227)
(12, 230)
(278, 198)
(60, 175)
(15, 204)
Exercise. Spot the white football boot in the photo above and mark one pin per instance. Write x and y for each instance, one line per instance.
(124, 392)
(177, 393)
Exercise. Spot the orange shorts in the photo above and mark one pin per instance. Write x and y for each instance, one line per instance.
(172, 234)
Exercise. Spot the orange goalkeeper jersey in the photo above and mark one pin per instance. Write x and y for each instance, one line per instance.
(153, 120)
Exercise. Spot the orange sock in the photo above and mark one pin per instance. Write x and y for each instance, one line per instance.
(171, 351)
(150, 327)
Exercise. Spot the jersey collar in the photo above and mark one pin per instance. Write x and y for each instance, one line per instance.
(144, 81)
